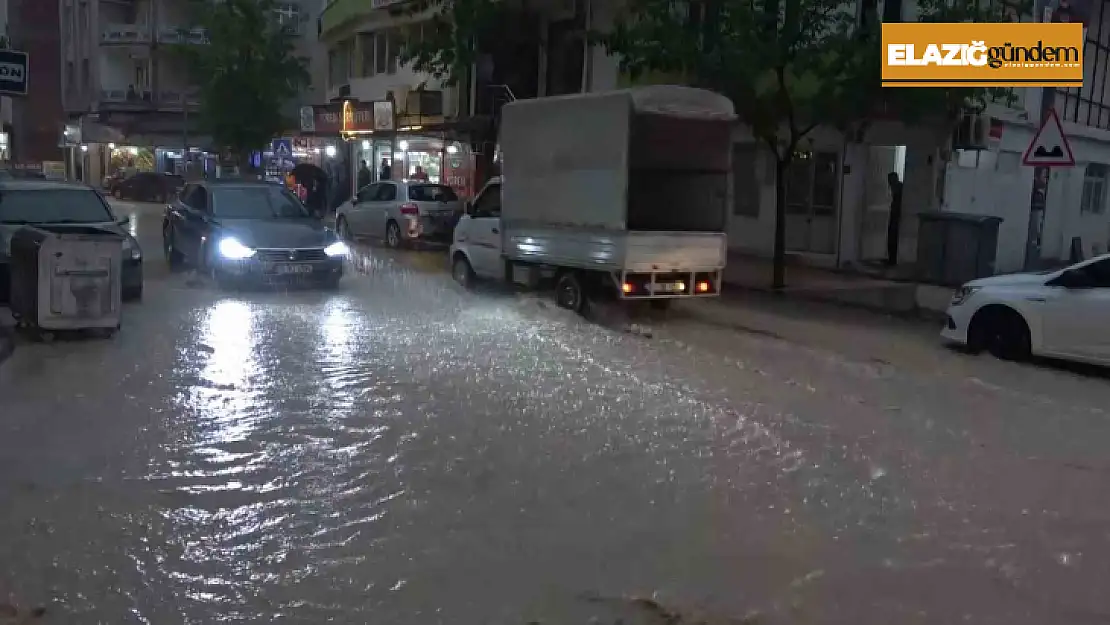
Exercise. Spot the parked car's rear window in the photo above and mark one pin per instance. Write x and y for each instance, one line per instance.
(432, 193)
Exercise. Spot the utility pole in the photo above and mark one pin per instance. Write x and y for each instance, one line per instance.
(1038, 196)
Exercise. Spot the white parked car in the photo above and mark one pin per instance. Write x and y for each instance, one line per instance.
(399, 212)
(1060, 314)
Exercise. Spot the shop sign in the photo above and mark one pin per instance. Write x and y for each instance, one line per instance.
(358, 116)
(348, 116)
(325, 119)
(13, 72)
(383, 115)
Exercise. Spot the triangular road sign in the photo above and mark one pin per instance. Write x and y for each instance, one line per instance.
(1049, 147)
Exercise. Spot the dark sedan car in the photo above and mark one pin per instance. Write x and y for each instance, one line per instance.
(148, 186)
(251, 232)
(60, 204)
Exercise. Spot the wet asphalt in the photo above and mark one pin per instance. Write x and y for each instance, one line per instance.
(403, 451)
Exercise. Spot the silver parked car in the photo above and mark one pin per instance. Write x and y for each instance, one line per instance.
(400, 212)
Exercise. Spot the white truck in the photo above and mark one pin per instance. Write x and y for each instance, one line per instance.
(621, 194)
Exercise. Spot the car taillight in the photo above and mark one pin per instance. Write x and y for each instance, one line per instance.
(409, 209)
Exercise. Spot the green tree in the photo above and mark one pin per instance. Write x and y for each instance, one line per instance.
(789, 66)
(245, 73)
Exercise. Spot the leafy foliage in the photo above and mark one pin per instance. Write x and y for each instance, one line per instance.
(245, 73)
(789, 66)
(449, 40)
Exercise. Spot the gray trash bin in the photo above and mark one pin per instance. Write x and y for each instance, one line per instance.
(66, 278)
(953, 248)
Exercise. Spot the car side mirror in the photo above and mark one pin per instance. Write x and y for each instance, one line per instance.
(468, 208)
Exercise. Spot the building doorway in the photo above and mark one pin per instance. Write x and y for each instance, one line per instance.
(812, 207)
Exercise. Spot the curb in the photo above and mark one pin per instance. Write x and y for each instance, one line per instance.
(7, 344)
(918, 313)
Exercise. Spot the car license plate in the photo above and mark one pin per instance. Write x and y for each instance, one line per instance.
(292, 269)
(666, 287)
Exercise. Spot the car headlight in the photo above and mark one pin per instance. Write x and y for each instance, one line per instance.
(131, 249)
(963, 293)
(338, 248)
(233, 249)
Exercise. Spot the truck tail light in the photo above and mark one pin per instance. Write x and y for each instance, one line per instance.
(409, 209)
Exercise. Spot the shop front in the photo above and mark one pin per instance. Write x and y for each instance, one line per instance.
(365, 133)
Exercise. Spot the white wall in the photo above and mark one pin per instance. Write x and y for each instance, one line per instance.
(376, 87)
(1001, 186)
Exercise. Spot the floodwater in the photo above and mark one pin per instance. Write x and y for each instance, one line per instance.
(402, 451)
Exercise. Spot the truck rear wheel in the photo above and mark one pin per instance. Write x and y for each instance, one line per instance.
(569, 293)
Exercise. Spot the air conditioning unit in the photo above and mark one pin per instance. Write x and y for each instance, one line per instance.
(972, 133)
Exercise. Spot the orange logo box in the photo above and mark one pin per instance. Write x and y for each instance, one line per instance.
(982, 55)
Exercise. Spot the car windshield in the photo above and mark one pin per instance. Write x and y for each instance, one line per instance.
(44, 206)
(261, 202)
(432, 193)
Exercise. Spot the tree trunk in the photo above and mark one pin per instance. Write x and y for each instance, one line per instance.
(778, 277)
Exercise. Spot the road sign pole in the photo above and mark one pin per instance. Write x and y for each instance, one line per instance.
(1039, 193)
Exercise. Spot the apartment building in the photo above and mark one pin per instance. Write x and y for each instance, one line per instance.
(445, 129)
(122, 85)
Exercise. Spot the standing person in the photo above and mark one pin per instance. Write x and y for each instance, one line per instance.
(363, 175)
(386, 171)
(893, 225)
(420, 175)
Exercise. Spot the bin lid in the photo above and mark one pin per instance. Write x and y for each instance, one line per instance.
(961, 217)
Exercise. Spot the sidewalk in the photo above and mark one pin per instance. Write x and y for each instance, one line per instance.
(7, 342)
(839, 287)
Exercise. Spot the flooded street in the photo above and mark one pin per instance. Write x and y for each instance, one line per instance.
(402, 451)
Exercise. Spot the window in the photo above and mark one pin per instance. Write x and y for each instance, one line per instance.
(53, 206)
(393, 36)
(1098, 274)
(197, 198)
(381, 47)
(1089, 104)
(289, 16)
(339, 63)
(366, 49)
(70, 80)
(367, 193)
(1094, 188)
(432, 193)
(489, 204)
(257, 202)
(745, 186)
(387, 193)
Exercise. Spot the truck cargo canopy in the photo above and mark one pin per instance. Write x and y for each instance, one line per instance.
(676, 101)
(650, 158)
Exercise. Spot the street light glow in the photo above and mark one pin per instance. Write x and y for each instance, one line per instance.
(330, 151)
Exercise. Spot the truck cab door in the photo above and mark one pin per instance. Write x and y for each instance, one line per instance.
(484, 233)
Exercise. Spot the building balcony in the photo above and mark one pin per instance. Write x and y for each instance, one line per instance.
(341, 12)
(169, 99)
(125, 34)
(125, 99)
(176, 99)
(175, 35)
